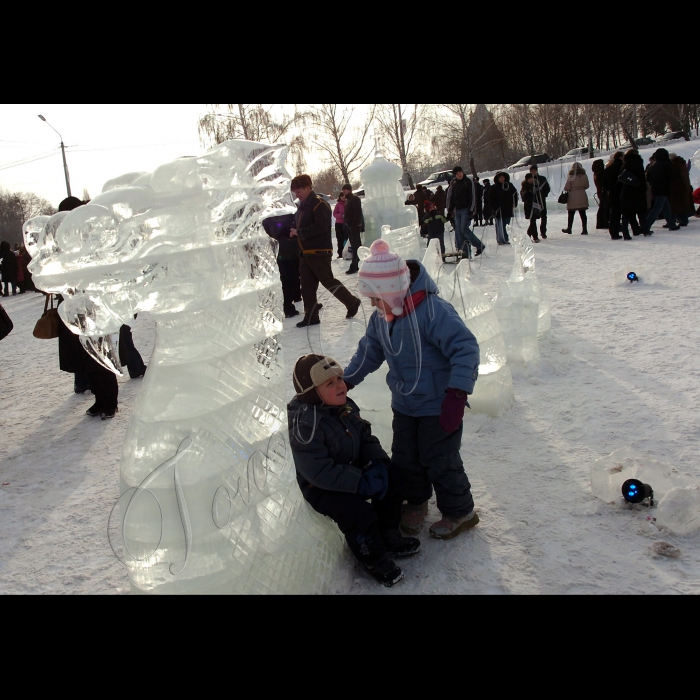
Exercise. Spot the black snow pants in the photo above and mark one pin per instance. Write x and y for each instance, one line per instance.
(291, 283)
(429, 458)
(365, 525)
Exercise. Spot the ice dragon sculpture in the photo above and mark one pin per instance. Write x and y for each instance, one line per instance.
(209, 501)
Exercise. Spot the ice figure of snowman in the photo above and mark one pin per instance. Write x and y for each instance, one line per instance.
(209, 500)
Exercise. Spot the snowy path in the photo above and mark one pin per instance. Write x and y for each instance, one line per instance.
(622, 368)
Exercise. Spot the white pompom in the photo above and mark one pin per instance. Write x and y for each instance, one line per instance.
(397, 310)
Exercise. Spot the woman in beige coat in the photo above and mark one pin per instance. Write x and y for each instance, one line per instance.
(576, 185)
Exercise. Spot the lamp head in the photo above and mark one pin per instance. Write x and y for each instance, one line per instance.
(43, 119)
(634, 491)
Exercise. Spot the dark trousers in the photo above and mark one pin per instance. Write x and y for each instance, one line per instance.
(584, 218)
(104, 385)
(81, 382)
(7, 287)
(440, 237)
(291, 283)
(129, 355)
(429, 459)
(315, 270)
(661, 206)
(355, 238)
(365, 524)
(635, 221)
(532, 230)
(603, 216)
(341, 235)
(615, 219)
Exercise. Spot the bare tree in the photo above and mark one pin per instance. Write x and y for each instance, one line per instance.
(18, 207)
(401, 126)
(256, 122)
(342, 143)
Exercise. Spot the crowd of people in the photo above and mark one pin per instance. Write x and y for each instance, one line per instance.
(13, 268)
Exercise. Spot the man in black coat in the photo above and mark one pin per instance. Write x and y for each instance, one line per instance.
(540, 192)
(613, 192)
(353, 220)
(659, 176)
(312, 229)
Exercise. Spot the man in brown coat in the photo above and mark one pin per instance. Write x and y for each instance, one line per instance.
(312, 229)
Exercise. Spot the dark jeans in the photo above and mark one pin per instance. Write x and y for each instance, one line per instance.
(129, 355)
(603, 216)
(683, 219)
(104, 386)
(364, 524)
(315, 270)
(429, 458)
(661, 206)
(464, 236)
(584, 218)
(341, 235)
(355, 238)
(502, 222)
(291, 283)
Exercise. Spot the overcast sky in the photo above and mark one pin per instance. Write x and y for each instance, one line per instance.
(108, 140)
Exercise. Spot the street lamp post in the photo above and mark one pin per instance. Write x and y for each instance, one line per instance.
(65, 163)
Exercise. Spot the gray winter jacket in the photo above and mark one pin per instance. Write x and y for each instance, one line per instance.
(444, 353)
(332, 446)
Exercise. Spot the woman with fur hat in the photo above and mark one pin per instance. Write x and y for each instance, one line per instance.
(433, 363)
(343, 471)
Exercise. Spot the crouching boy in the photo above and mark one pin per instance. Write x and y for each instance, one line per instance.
(433, 365)
(343, 471)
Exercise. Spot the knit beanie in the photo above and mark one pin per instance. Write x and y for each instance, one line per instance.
(310, 372)
(384, 275)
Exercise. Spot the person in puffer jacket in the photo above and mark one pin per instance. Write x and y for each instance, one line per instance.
(341, 466)
(433, 363)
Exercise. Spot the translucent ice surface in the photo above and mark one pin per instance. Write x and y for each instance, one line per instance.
(493, 393)
(609, 473)
(403, 241)
(384, 202)
(679, 510)
(209, 499)
(522, 310)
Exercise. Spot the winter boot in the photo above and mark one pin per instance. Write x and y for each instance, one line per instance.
(567, 230)
(94, 411)
(385, 572)
(543, 236)
(584, 232)
(398, 546)
(448, 527)
(413, 517)
(616, 237)
(627, 237)
(106, 415)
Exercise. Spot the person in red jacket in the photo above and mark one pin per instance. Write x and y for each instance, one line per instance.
(696, 199)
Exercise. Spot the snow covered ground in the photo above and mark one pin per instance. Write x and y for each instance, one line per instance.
(622, 368)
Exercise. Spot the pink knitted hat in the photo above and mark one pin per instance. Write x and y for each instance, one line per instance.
(384, 275)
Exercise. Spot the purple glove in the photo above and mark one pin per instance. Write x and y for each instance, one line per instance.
(453, 410)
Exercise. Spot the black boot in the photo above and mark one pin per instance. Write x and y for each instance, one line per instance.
(615, 237)
(385, 572)
(309, 322)
(399, 546)
(94, 411)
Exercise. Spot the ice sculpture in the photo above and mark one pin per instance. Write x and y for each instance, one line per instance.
(679, 510)
(493, 393)
(209, 500)
(695, 170)
(384, 202)
(403, 241)
(521, 308)
(609, 473)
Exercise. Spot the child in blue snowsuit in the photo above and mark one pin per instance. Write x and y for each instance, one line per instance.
(433, 363)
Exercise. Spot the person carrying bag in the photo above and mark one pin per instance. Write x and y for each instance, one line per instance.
(49, 325)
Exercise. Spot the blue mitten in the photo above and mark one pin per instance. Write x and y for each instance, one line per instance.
(374, 482)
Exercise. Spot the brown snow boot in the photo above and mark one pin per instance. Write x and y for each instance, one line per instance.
(449, 527)
(413, 517)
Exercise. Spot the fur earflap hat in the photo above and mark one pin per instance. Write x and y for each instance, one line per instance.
(310, 372)
(384, 275)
